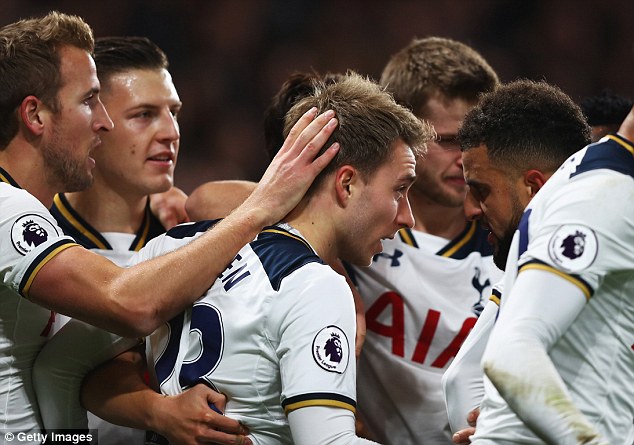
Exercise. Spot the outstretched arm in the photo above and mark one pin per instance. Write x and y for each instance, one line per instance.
(217, 199)
(133, 302)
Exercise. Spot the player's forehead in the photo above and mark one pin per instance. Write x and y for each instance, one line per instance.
(77, 71)
(141, 86)
(400, 166)
(475, 164)
(446, 114)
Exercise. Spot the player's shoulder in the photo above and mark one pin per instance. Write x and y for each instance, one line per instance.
(281, 251)
(611, 156)
(174, 238)
(190, 229)
(28, 221)
(15, 200)
(613, 153)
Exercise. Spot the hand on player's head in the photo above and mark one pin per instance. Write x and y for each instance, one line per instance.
(294, 168)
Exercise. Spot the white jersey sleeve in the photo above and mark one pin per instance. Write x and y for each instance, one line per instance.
(316, 425)
(517, 357)
(32, 238)
(315, 321)
(462, 383)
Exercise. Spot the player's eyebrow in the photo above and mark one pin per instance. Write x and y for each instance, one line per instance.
(408, 178)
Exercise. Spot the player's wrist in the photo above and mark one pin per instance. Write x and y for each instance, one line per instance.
(158, 409)
(255, 214)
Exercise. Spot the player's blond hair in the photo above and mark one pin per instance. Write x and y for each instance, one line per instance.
(370, 121)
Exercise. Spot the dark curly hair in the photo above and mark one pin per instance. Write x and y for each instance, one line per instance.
(526, 124)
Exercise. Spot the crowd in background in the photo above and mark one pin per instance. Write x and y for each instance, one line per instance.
(229, 57)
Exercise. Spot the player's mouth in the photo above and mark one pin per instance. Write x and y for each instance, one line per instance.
(96, 142)
(90, 160)
(455, 180)
(166, 157)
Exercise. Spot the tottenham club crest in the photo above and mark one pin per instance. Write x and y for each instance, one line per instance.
(331, 349)
(573, 247)
(29, 231)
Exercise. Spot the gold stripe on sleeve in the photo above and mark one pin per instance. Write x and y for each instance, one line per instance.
(587, 291)
(318, 402)
(46, 259)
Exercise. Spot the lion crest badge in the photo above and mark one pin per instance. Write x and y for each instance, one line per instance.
(331, 349)
(29, 231)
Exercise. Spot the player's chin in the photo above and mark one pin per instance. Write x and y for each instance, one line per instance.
(372, 253)
(362, 259)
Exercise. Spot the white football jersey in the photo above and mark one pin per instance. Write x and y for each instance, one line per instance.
(580, 226)
(29, 238)
(274, 333)
(422, 296)
(88, 346)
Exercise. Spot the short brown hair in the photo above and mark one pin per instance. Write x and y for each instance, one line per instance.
(435, 64)
(370, 121)
(114, 55)
(30, 63)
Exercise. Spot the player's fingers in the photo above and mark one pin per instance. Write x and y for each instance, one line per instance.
(314, 136)
(225, 424)
(472, 417)
(324, 159)
(462, 437)
(297, 129)
(215, 399)
(226, 439)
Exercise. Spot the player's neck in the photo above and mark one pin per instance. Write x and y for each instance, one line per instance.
(109, 211)
(23, 163)
(308, 218)
(436, 219)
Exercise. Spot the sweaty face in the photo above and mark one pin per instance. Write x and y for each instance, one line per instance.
(139, 155)
(379, 207)
(440, 178)
(493, 196)
(73, 131)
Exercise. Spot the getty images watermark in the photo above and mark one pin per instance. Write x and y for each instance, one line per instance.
(66, 437)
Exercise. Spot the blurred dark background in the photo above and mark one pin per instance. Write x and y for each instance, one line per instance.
(228, 57)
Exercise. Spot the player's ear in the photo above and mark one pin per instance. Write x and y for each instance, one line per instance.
(32, 113)
(534, 180)
(346, 177)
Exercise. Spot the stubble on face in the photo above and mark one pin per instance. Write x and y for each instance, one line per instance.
(503, 247)
(63, 167)
(431, 185)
